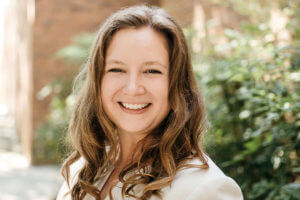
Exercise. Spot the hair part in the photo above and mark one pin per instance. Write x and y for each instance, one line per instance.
(172, 143)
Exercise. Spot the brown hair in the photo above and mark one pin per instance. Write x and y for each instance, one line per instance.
(172, 143)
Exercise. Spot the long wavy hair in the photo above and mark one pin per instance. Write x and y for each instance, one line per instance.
(167, 148)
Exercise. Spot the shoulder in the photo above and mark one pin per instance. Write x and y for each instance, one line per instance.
(75, 168)
(204, 184)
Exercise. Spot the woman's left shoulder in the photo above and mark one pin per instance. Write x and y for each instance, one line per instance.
(204, 184)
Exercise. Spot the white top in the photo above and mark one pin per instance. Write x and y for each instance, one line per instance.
(188, 184)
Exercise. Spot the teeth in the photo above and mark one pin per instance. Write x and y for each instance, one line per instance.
(134, 106)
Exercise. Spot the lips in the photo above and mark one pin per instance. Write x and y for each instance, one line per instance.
(134, 106)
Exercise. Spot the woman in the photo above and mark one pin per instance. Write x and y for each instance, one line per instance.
(139, 117)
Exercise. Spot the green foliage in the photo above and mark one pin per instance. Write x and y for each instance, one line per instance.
(78, 51)
(254, 114)
(293, 189)
(251, 87)
(51, 144)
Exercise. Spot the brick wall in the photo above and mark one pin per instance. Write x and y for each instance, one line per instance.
(182, 10)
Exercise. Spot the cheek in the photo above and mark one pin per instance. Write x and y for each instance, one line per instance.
(109, 86)
(106, 92)
(160, 90)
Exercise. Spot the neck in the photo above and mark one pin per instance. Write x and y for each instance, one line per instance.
(128, 143)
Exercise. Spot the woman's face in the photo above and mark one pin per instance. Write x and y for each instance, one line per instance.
(135, 84)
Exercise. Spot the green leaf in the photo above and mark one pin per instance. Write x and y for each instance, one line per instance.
(293, 189)
(259, 189)
(253, 144)
(236, 78)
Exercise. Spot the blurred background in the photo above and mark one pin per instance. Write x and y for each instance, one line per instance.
(246, 56)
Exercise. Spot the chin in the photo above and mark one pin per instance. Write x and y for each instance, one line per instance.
(134, 130)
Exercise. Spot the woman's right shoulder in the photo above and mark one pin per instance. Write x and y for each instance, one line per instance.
(75, 168)
(197, 183)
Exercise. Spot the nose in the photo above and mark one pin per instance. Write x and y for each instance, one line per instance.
(134, 85)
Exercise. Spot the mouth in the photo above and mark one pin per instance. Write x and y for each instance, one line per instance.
(134, 106)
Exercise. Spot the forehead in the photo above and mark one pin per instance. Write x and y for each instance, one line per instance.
(138, 43)
(142, 33)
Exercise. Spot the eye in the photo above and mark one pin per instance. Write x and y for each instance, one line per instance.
(115, 70)
(153, 71)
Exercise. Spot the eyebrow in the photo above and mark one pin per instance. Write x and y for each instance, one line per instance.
(114, 61)
(154, 63)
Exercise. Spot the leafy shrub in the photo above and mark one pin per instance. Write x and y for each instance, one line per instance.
(251, 87)
(254, 114)
(51, 143)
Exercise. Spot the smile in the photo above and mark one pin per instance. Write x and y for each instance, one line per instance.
(134, 106)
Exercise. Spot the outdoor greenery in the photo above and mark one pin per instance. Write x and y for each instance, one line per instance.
(251, 87)
(51, 144)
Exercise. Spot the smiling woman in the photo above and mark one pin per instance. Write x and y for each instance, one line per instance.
(138, 100)
(139, 117)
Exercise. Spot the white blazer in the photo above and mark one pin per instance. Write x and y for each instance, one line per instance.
(188, 184)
